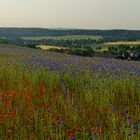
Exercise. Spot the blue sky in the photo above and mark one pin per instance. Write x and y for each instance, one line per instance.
(91, 14)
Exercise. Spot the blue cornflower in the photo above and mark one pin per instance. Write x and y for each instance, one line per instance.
(132, 122)
(114, 108)
(129, 134)
(134, 133)
(127, 126)
(124, 112)
(72, 138)
(65, 94)
(60, 122)
(128, 117)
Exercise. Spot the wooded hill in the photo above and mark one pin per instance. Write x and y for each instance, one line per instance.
(23, 32)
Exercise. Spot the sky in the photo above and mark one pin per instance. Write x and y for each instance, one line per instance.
(86, 14)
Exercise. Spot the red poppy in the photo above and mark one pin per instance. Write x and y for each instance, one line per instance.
(71, 134)
(97, 110)
(79, 129)
(72, 131)
(2, 116)
(13, 113)
(93, 129)
(100, 131)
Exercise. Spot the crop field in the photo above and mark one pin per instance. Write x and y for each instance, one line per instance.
(53, 96)
(47, 47)
(67, 37)
(124, 43)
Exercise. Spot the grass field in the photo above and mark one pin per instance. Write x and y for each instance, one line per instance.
(123, 43)
(53, 96)
(67, 37)
(46, 47)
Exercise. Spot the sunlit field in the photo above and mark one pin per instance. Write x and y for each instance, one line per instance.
(46, 47)
(124, 43)
(52, 96)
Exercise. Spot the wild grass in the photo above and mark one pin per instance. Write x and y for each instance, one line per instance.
(44, 105)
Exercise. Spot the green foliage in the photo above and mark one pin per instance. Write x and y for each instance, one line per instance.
(88, 51)
(3, 41)
(31, 46)
(122, 49)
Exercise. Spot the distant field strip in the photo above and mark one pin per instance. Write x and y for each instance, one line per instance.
(67, 37)
(47, 47)
(123, 43)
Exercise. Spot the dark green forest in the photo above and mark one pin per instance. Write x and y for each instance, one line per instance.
(23, 32)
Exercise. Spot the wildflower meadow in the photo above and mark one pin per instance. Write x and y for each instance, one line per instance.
(53, 96)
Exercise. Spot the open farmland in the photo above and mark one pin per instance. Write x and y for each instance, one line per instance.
(53, 96)
(66, 37)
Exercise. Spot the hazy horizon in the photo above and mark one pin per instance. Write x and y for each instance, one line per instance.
(74, 14)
